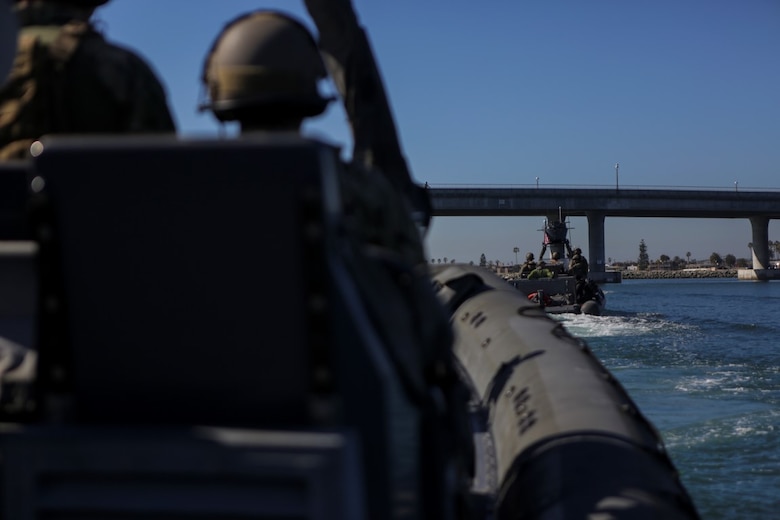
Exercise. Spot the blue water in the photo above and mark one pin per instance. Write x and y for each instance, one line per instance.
(701, 358)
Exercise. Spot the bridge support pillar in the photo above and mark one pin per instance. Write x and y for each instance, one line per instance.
(596, 244)
(760, 228)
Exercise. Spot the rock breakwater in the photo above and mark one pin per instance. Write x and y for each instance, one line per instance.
(697, 273)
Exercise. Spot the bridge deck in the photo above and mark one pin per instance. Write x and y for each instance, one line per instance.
(609, 202)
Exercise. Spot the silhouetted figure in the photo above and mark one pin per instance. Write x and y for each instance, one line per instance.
(67, 79)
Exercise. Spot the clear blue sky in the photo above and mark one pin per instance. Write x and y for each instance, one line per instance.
(679, 92)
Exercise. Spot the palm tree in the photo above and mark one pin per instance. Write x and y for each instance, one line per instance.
(644, 258)
(688, 256)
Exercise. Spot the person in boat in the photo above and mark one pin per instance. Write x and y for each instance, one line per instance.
(528, 266)
(578, 251)
(68, 79)
(262, 71)
(585, 290)
(556, 265)
(578, 266)
(541, 271)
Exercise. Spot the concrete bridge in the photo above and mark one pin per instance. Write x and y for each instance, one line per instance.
(597, 204)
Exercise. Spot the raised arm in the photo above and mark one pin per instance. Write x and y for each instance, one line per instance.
(350, 61)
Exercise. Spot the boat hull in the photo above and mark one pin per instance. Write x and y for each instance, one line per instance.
(559, 295)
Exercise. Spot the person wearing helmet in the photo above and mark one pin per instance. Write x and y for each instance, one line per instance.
(578, 266)
(528, 266)
(67, 79)
(262, 71)
(582, 260)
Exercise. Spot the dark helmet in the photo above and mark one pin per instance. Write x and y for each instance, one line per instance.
(8, 29)
(576, 258)
(529, 256)
(578, 251)
(555, 255)
(264, 65)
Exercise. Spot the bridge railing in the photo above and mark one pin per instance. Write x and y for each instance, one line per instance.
(599, 186)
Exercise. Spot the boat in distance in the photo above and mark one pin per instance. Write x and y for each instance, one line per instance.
(559, 284)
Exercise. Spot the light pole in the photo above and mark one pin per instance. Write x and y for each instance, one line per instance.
(617, 170)
(736, 186)
(537, 183)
